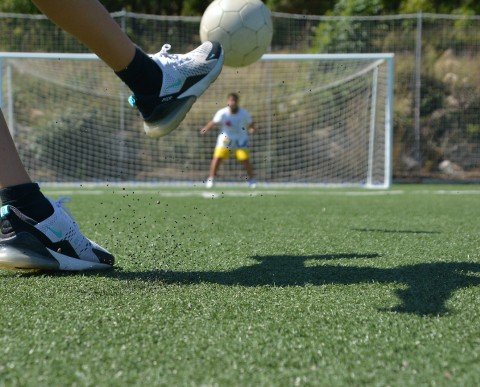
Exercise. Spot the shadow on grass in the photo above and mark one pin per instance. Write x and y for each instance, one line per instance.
(428, 286)
(386, 231)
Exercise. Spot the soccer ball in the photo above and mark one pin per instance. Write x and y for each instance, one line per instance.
(243, 27)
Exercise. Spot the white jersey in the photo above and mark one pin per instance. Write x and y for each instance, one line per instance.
(233, 125)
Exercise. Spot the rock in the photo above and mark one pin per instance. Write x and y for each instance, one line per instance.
(452, 102)
(409, 163)
(450, 168)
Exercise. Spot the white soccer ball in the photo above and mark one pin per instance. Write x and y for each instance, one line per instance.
(243, 27)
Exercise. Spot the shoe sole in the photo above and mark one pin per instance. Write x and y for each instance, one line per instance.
(35, 256)
(15, 259)
(172, 121)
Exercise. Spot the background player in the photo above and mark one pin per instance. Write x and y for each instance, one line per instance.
(235, 125)
(35, 232)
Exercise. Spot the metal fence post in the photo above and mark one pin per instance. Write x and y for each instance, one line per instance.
(122, 98)
(10, 119)
(418, 89)
(123, 20)
(269, 171)
(1, 83)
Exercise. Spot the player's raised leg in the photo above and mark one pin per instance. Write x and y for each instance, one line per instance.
(164, 86)
(36, 233)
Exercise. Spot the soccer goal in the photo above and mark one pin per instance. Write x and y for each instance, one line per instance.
(322, 119)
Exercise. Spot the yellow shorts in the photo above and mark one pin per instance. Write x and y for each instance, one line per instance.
(224, 153)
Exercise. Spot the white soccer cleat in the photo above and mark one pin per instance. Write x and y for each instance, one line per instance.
(209, 183)
(252, 183)
(185, 78)
(54, 244)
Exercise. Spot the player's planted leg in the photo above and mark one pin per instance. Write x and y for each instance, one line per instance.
(55, 243)
(36, 233)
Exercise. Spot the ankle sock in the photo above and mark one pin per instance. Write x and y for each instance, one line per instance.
(143, 76)
(28, 199)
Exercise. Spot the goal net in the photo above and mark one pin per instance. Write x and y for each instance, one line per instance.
(324, 119)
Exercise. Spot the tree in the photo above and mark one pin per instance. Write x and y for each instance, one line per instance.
(346, 35)
(312, 7)
(301, 6)
(19, 6)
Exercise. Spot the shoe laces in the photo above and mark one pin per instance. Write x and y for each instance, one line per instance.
(61, 203)
(174, 60)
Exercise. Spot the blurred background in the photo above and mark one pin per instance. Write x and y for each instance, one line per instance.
(312, 7)
(437, 55)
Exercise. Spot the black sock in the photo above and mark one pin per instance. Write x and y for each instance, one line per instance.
(143, 76)
(28, 199)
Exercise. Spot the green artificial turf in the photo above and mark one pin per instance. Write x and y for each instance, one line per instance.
(265, 287)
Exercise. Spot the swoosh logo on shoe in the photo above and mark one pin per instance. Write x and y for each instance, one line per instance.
(57, 233)
(175, 85)
(212, 56)
(4, 211)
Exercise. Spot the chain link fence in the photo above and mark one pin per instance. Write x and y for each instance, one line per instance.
(437, 87)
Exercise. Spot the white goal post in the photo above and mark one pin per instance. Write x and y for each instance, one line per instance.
(324, 119)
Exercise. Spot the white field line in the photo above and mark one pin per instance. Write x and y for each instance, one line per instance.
(68, 192)
(446, 192)
(374, 193)
(466, 192)
(218, 193)
(179, 194)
